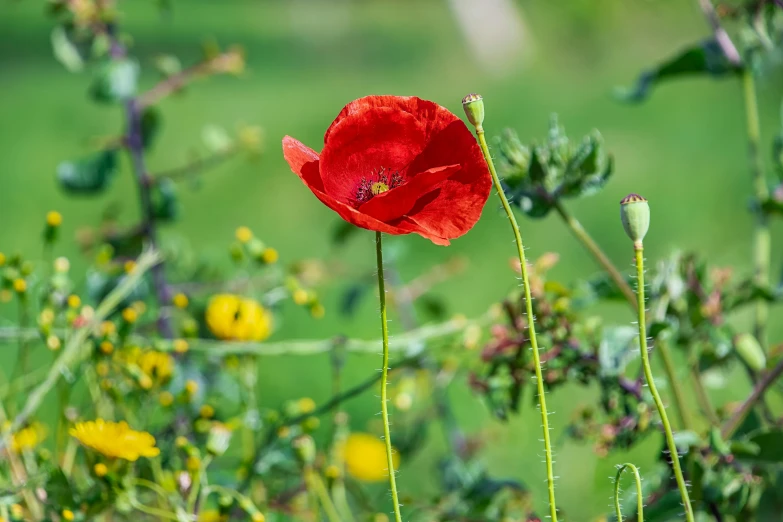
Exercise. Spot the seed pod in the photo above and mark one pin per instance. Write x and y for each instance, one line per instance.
(749, 350)
(473, 104)
(635, 214)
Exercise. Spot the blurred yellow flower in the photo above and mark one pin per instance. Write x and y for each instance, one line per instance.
(211, 515)
(100, 469)
(115, 439)
(180, 300)
(235, 318)
(269, 256)
(2, 259)
(20, 286)
(68, 514)
(28, 438)
(157, 365)
(74, 301)
(180, 345)
(243, 234)
(129, 266)
(365, 457)
(54, 219)
(130, 315)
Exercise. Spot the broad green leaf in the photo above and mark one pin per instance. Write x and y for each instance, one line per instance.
(88, 175)
(65, 50)
(115, 81)
(770, 448)
(703, 58)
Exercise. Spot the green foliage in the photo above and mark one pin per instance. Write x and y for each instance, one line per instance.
(115, 81)
(89, 175)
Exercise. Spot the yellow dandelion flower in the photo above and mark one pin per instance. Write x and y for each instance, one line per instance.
(243, 234)
(54, 219)
(156, 365)
(365, 457)
(207, 411)
(306, 405)
(193, 463)
(181, 441)
(68, 514)
(301, 296)
(74, 301)
(180, 345)
(27, 438)
(115, 439)
(100, 469)
(269, 256)
(20, 285)
(332, 471)
(106, 347)
(17, 511)
(234, 318)
(180, 300)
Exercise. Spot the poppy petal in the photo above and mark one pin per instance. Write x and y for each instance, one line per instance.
(366, 142)
(304, 161)
(397, 202)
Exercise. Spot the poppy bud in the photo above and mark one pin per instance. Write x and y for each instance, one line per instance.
(635, 214)
(474, 109)
(750, 351)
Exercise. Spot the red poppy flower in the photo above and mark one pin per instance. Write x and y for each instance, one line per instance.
(398, 165)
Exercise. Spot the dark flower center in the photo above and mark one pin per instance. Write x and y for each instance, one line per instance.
(377, 183)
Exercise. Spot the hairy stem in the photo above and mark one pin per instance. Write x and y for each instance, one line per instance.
(639, 494)
(761, 236)
(385, 378)
(675, 459)
(550, 475)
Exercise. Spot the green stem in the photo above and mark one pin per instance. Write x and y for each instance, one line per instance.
(550, 475)
(639, 494)
(674, 383)
(155, 512)
(317, 485)
(686, 501)
(701, 395)
(761, 237)
(384, 378)
(587, 241)
(198, 480)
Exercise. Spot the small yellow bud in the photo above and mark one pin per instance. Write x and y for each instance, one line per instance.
(269, 256)
(332, 472)
(74, 301)
(100, 469)
(166, 399)
(54, 219)
(129, 315)
(301, 296)
(207, 411)
(20, 286)
(243, 234)
(473, 104)
(62, 265)
(129, 266)
(191, 386)
(53, 343)
(181, 441)
(311, 423)
(180, 300)
(106, 347)
(46, 317)
(2, 259)
(68, 514)
(193, 463)
(180, 345)
(107, 327)
(306, 405)
(102, 368)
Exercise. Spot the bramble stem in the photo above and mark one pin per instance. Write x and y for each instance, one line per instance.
(639, 494)
(686, 501)
(385, 378)
(761, 237)
(550, 476)
(587, 241)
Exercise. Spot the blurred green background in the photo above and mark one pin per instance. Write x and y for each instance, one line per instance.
(684, 150)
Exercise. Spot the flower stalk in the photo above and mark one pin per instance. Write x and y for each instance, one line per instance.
(639, 493)
(635, 215)
(474, 109)
(385, 378)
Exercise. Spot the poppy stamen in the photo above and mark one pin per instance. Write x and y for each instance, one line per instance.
(377, 183)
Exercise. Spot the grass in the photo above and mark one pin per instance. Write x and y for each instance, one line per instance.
(684, 150)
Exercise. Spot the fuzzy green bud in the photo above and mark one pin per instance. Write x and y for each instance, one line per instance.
(635, 214)
(750, 351)
(218, 439)
(304, 446)
(473, 104)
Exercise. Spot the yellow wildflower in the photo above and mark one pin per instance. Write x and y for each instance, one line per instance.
(180, 300)
(74, 301)
(156, 365)
(166, 399)
(115, 439)
(17, 511)
(106, 347)
(100, 469)
(68, 514)
(193, 463)
(27, 438)
(207, 411)
(306, 405)
(365, 457)
(332, 471)
(20, 286)
(243, 234)
(301, 296)
(235, 318)
(180, 345)
(53, 343)
(269, 256)
(191, 386)
(108, 328)
(257, 517)
(212, 515)
(129, 266)
(129, 315)
(54, 219)
(2, 259)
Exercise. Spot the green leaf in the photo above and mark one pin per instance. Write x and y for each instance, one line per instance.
(770, 448)
(150, 126)
(59, 492)
(88, 175)
(703, 58)
(65, 51)
(116, 81)
(165, 206)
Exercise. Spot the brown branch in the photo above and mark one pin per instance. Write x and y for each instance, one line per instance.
(721, 36)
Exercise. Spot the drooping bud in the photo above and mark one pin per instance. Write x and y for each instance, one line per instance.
(750, 351)
(473, 104)
(635, 214)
